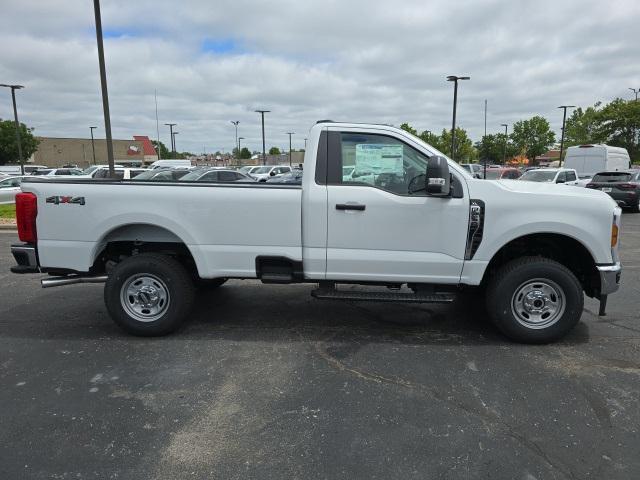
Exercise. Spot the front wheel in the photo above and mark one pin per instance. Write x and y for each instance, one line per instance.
(149, 294)
(534, 300)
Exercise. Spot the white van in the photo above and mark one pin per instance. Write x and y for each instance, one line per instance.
(170, 163)
(588, 160)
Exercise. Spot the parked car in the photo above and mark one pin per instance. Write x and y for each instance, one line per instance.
(263, 173)
(170, 163)
(9, 187)
(93, 168)
(163, 174)
(501, 173)
(123, 173)
(216, 175)
(534, 250)
(249, 169)
(567, 176)
(475, 169)
(623, 187)
(293, 177)
(49, 172)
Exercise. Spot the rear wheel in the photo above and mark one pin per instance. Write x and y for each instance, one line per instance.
(636, 207)
(149, 294)
(534, 300)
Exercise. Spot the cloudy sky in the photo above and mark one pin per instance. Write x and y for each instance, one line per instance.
(368, 61)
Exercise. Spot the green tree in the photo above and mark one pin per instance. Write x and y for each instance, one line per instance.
(408, 128)
(274, 151)
(620, 125)
(584, 126)
(9, 143)
(163, 150)
(532, 137)
(464, 150)
(430, 138)
(492, 148)
(245, 153)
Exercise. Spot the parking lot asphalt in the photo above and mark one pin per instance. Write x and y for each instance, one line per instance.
(266, 382)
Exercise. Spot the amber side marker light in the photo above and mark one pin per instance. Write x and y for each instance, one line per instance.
(614, 235)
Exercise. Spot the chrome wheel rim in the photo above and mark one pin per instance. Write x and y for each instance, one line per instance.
(144, 297)
(538, 303)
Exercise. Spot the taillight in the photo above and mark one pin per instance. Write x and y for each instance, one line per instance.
(26, 212)
(591, 185)
(626, 186)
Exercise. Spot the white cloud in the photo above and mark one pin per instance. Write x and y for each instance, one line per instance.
(358, 60)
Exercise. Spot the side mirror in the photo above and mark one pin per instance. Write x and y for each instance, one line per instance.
(438, 179)
(272, 173)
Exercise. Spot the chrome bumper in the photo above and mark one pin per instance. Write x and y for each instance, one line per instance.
(609, 278)
(26, 258)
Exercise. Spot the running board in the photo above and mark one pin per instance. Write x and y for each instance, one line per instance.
(332, 294)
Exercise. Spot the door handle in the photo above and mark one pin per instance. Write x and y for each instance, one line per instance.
(350, 206)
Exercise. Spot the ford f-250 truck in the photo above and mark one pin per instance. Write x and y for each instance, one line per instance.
(405, 217)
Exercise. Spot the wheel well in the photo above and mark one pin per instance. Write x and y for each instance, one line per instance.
(565, 250)
(133, 239)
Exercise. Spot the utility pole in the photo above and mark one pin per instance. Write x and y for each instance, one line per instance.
(235, 123)
(15, 117)
(454, 79)
(564, 120)
(635, 90)
(93, 147)
(504, 155)
(290, 133)
(171, 125)
(173, 141)
(155, 96)
(483, 139)
(305, 146)
(264, 154)
(103, 83)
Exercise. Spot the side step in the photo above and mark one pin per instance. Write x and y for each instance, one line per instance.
(333, 294)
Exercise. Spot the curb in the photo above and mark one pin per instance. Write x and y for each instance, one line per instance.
(11, 227)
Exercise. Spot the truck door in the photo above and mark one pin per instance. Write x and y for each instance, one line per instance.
(381, 226)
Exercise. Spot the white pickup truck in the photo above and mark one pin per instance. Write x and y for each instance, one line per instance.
(422, 226)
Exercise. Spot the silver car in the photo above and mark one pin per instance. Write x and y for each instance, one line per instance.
(8, 189)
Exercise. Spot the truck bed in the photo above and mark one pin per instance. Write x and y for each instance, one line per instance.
(221, 224)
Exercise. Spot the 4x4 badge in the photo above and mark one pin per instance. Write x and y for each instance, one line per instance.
(57, 200)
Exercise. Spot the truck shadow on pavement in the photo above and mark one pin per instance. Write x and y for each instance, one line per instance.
(247, 311)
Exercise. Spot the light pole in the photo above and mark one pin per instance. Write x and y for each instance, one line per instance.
(264, 155)
(103, 83)
(305, 146)
(504, 154)
(454, 79)
(235, 123)
(93, 147)
(290, 133)
(564, 120)
(171, 125)
(635, 90)
(15, 116)
(239, 148)
(173, 141)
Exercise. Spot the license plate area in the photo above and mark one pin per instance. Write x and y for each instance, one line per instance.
(606, 189)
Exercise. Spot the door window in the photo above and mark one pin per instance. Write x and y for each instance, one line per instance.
(383, 162)
(562, 177)
(571, 177)
(226, 176)
(209, 177)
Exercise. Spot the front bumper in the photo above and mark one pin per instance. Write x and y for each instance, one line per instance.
(609, 278)
(26, 257)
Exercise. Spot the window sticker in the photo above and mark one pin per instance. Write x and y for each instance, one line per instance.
(379, 158)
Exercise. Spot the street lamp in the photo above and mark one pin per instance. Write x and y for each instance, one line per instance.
(15, 116)
(171, 125)
(235, 123)
(305, 146)
(264, 155)
(93, 147)
(173, 141)
(454, 79)
(290, 133)
(564, 119)
(103, 84)
(504, 154)
(635, 90)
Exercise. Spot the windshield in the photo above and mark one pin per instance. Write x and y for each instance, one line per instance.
(539, 176)
(90, 170)
(193, 176)
(262, 170)
(612, 177)
(146, 175)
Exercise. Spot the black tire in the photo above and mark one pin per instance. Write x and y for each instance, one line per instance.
(534, 275)
(635, 208)
(210, 283)
(163, 277)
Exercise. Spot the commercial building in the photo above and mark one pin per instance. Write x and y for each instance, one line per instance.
(57, 152)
